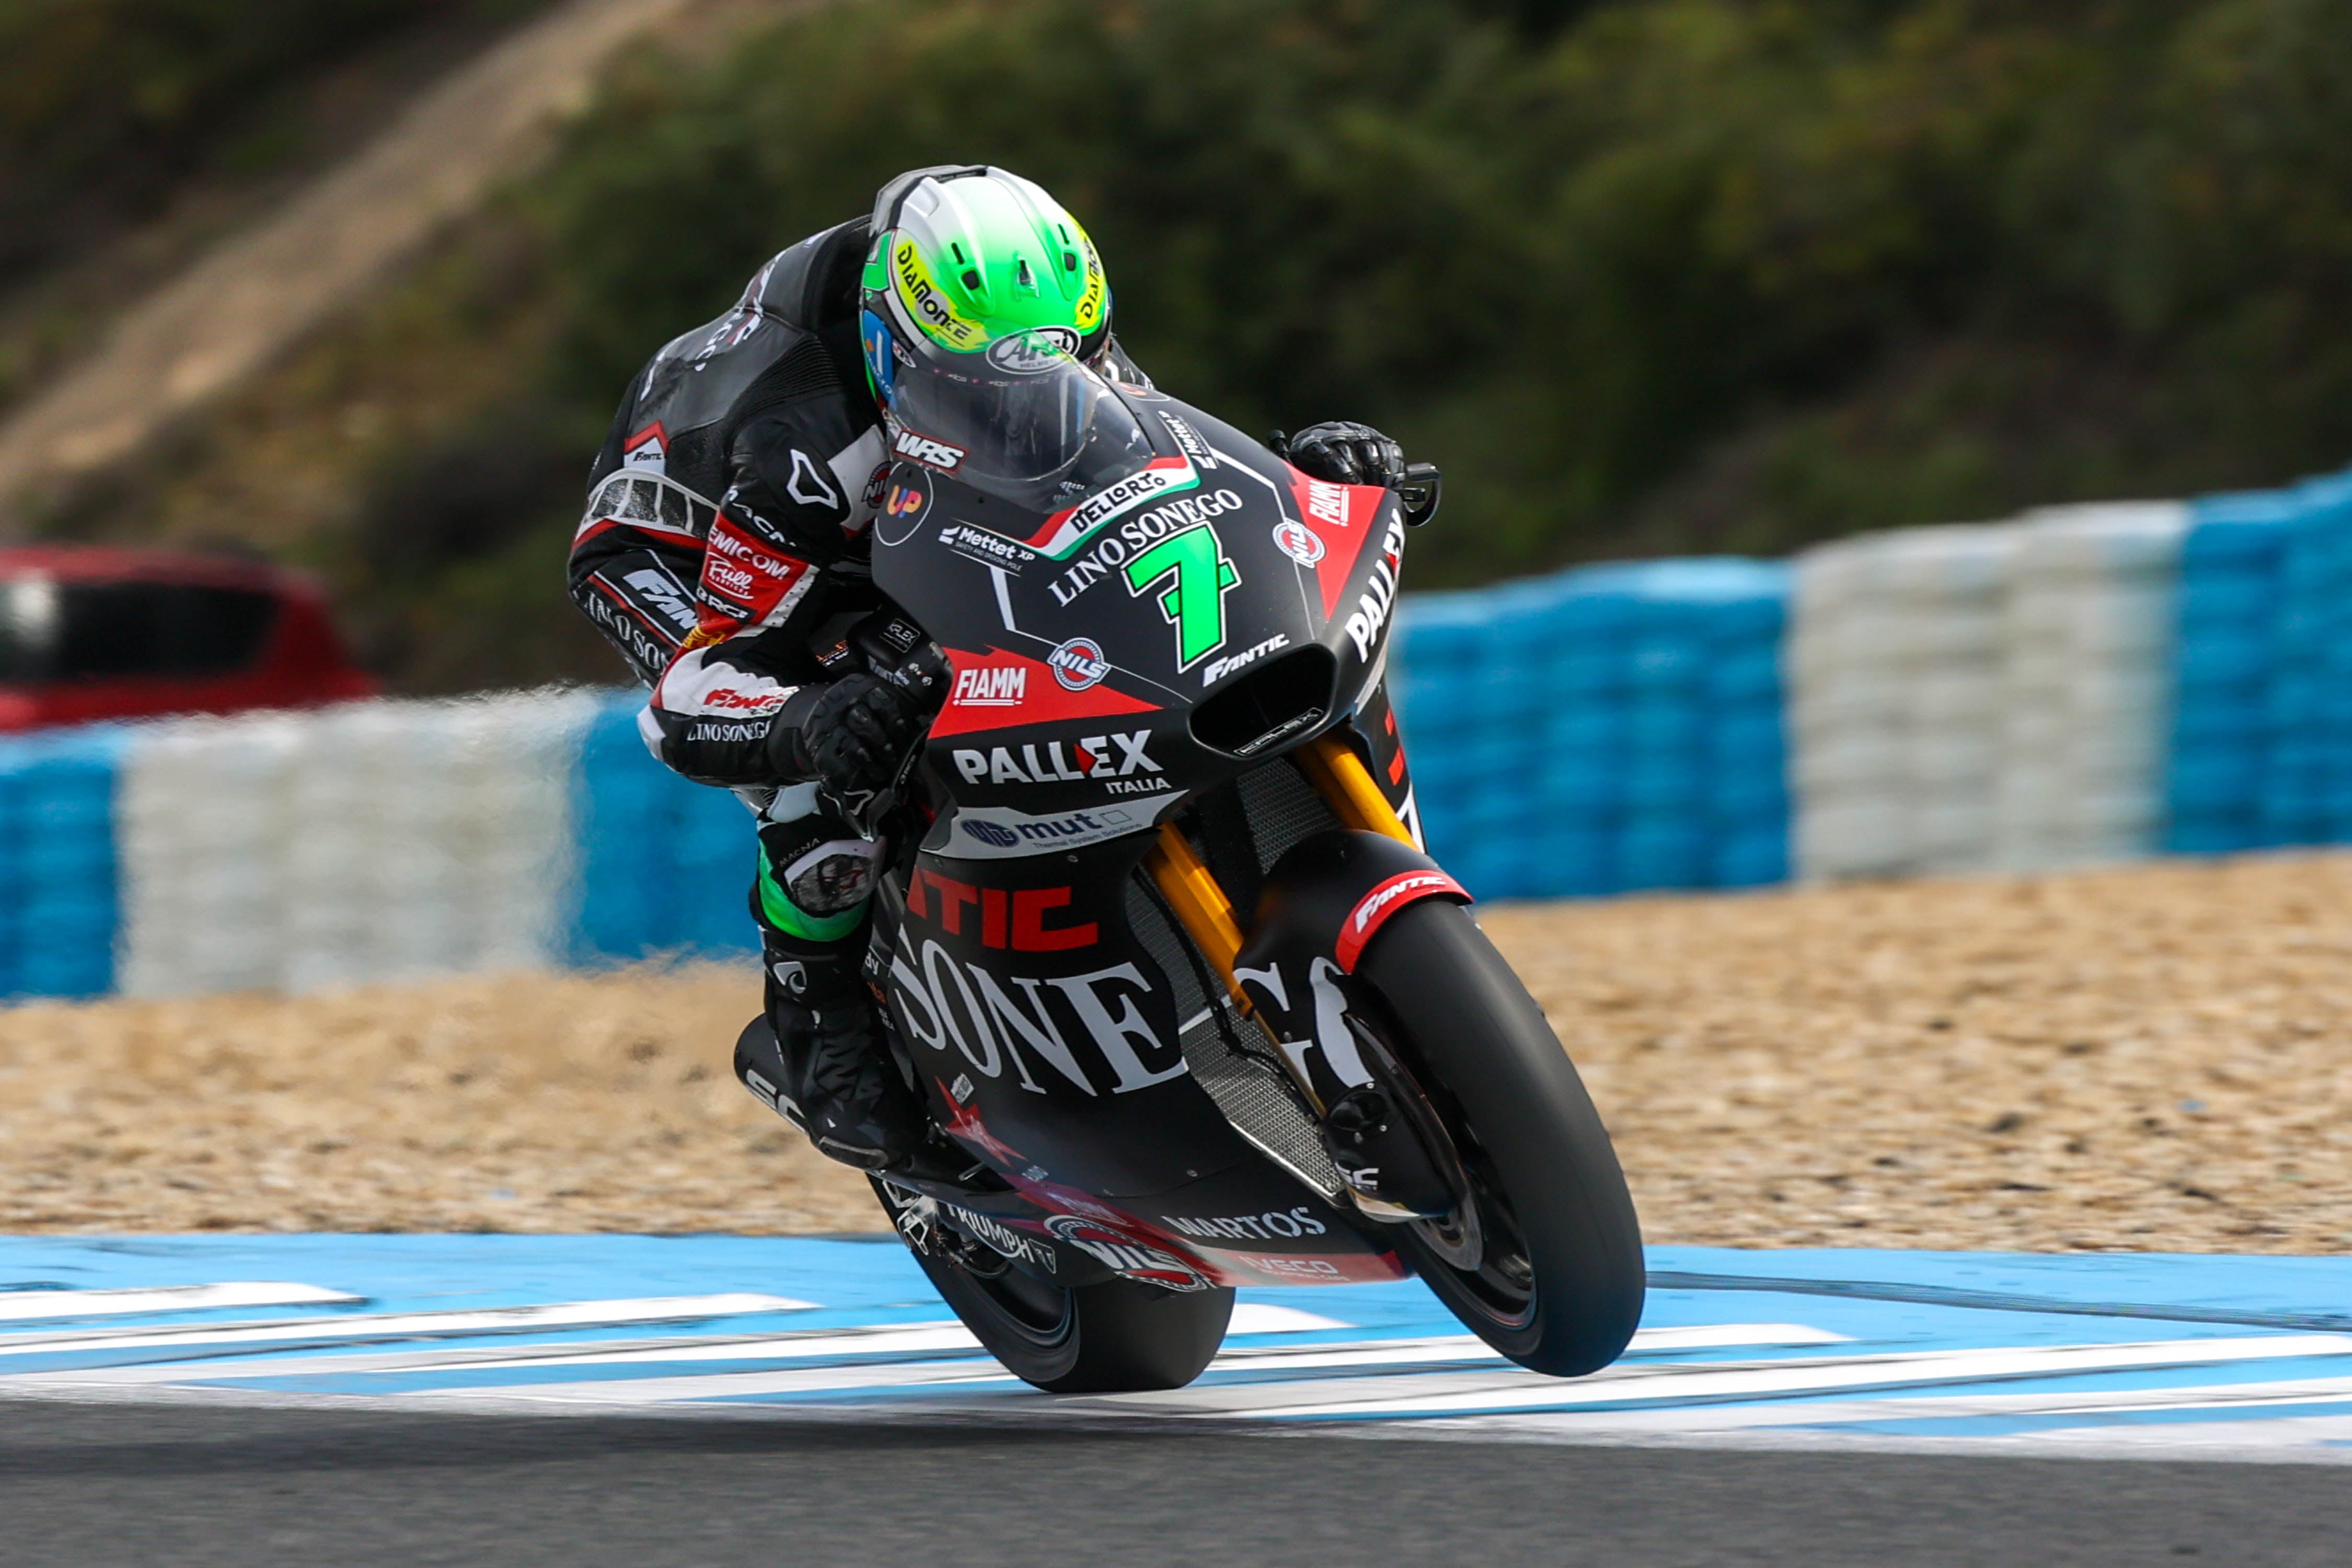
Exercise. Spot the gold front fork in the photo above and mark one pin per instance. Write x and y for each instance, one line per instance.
(1202, 906)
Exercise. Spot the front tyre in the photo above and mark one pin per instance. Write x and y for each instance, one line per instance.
(1557, 1280)
(1118, 1337)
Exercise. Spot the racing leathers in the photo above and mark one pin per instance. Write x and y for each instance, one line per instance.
(725, 553)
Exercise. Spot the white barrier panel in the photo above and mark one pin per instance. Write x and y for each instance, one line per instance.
(2087, 697)
(1990, 695)
(374, 841)
(1896, 672)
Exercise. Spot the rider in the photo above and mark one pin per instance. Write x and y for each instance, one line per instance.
(725, 553)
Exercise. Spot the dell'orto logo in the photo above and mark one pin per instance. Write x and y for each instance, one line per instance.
(1079, 664)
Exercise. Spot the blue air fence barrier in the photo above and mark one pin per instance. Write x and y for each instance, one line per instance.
(1604, 730)
(2261, 752)
(665, 864)
(58, 875)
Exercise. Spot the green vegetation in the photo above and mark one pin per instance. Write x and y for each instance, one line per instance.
(1655, 275)
(1644, 276)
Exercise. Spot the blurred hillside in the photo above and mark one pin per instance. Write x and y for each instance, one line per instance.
(1646, 276)
(132, 132)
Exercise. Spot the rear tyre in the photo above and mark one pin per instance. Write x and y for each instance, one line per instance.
(1118, 1337)
(1558, 1280)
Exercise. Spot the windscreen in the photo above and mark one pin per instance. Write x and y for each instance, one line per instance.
(1025, 421)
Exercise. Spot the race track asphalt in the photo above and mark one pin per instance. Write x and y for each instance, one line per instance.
(95, 1484)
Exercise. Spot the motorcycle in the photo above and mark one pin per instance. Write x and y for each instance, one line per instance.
(1159, 940)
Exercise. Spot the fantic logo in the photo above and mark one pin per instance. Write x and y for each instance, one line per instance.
(1288, 1223)
(1370, 617)
(1221, 668)
(1009, 920)
(1327, 502)
(1373, 910)
(923, 450)
(986, 688)
(659, 592)
(1078, 665)
(1135, 537)
(1092, 756)
(727, 700)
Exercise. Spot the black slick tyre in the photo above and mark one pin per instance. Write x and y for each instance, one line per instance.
(1117, 1337)
(1559, 1287)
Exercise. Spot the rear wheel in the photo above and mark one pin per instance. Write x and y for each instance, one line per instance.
(1118, 1337)
(1544, 1259)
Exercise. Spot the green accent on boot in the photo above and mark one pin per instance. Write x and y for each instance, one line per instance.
(793, 921)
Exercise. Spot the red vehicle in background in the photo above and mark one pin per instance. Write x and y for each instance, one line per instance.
(89, 633)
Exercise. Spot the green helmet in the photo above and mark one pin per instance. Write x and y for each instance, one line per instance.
(986, 314)
(965, 256)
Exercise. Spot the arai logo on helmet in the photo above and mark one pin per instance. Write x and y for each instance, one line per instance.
(1079, 664)
(1035, 352)
(1298, 542)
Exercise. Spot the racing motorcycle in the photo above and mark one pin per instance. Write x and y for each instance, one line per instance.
(1159, 941)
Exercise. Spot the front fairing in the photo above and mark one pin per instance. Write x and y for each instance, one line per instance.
(1092, 646)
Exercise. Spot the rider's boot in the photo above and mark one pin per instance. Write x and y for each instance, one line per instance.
(816, 1058)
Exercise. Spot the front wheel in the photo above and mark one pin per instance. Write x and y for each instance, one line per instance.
(1553, 1253)
(1118, 1337)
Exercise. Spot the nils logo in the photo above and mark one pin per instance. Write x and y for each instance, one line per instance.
(1079, 664)
(1298, 542)
(1123, 1255)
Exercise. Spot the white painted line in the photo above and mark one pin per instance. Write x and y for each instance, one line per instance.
(1626, 1384)
(365, 1326)
(1713, 1336)
(2090, 1404)
(26, 1306)
(307, 1361)
(1277, 1369)
(1259, 1318)
(738, 1385)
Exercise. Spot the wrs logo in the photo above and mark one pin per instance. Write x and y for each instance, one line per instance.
(923, 450)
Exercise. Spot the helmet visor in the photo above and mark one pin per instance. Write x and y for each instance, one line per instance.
(1025, 421)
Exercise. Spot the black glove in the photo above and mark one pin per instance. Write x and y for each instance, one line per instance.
(852, 733)
(1343, 453)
